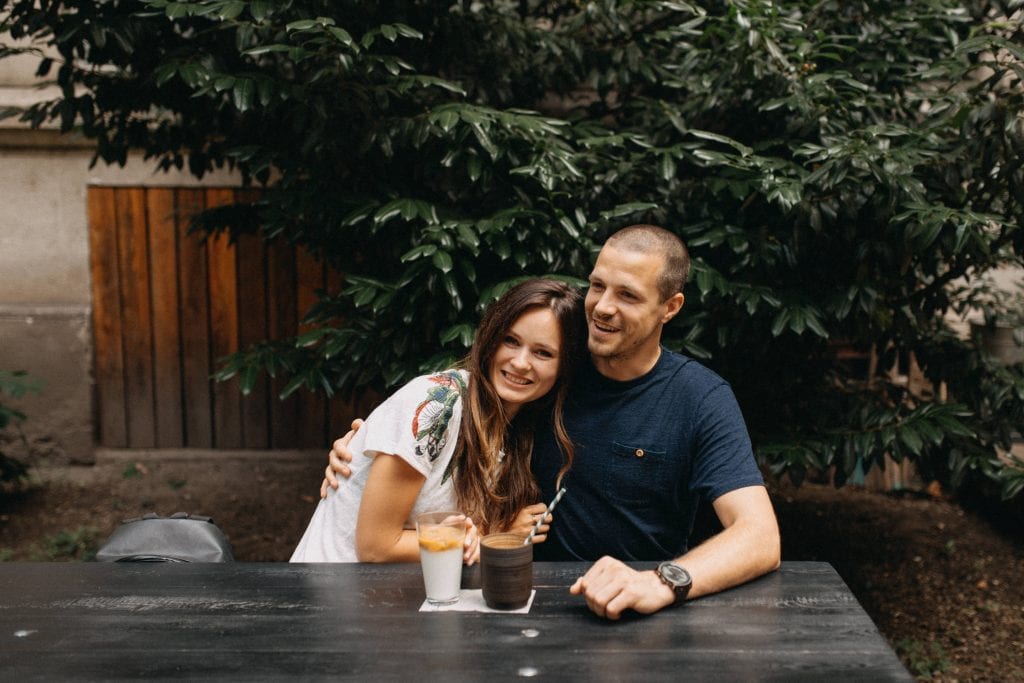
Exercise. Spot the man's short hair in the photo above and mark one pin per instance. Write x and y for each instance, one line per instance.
(648, 239)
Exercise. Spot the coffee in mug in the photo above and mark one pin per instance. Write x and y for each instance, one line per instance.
(506, 570)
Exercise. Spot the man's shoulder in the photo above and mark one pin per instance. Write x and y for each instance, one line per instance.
(684, 368)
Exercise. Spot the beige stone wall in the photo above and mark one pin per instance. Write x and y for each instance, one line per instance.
(44, 257)
(45, 290)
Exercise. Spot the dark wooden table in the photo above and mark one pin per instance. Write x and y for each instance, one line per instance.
(270, 621)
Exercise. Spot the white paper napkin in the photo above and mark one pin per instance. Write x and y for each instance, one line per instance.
(472, 600)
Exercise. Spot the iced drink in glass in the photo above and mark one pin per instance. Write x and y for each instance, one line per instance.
(441, 535)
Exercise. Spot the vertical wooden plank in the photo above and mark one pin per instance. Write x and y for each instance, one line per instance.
(136, 313)
(252, 328)
(227, 397)
(106, 318)
(195, 329)
(339, 411)
(309, 276)
(342, 410)
(163, 251)
(282, 323)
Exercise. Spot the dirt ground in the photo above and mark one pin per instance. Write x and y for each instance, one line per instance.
(944, 585)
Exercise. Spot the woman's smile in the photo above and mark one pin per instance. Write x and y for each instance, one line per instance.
(514, 379)
(525, 365)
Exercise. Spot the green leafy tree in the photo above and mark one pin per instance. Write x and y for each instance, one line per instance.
(12, 385)
(836, 168)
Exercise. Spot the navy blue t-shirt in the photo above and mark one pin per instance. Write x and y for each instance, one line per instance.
(647, 451)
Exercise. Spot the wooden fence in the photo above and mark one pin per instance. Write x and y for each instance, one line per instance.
(167, 306)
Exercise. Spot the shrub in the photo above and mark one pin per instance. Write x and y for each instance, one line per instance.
(14, 385)
(78, 545)
(834, 167)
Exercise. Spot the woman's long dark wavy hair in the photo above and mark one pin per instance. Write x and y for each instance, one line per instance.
(492, 489)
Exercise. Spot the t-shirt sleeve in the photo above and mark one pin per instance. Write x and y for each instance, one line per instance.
(724, 457)
(417, 422)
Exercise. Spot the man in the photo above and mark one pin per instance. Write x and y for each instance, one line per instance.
(655, 432)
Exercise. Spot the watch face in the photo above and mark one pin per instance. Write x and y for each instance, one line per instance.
(674, 573)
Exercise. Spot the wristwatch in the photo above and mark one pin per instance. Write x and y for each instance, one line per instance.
(676, 578)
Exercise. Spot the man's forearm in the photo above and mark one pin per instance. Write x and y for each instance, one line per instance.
(730, 558)
(748, 546)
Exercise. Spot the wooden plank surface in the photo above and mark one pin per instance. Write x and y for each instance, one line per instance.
(309, 277)
(195, 329)
(168, 306)
(341, 410)
(268, 620)
(106, 318)
(252, 328)
(227, 397)
(282, 322)
(136, 315)
(252, 325)
(166, 320)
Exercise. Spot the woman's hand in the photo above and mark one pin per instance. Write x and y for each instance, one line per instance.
(527, 518)
(471, 546)
(338, 460)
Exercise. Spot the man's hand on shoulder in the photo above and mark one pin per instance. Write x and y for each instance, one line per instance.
(338, 459)
(610, 587)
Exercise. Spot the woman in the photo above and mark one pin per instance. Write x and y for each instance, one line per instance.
(459, 439)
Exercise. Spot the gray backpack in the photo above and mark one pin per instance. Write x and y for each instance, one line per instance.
(178, 538)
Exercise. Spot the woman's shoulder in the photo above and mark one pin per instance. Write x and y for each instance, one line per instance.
(438, 411)
(453, 379)
(440, 393)
(442, 385)
(421, 418)
(441, 388)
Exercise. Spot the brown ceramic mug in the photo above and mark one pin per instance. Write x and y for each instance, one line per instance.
(506, 570)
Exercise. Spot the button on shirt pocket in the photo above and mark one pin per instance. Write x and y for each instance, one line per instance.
(639, 473)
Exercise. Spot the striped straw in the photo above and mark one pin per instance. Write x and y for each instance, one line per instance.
(551, 506)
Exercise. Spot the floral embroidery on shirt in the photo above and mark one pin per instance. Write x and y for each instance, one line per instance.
(430, 421)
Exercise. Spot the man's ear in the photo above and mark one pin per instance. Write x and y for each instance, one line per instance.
(673, 305)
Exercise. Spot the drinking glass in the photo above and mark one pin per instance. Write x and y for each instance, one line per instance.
(441, 535)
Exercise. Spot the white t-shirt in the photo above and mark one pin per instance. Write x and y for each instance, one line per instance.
(418, 423)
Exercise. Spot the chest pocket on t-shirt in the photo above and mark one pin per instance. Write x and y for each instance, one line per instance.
(639, 473)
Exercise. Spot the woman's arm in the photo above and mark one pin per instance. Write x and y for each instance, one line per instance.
(390, 493)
